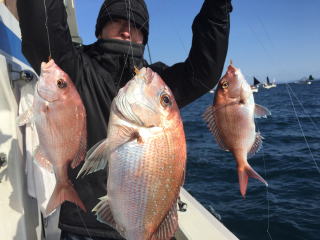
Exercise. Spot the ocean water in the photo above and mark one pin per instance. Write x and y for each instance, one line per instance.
(290, 207)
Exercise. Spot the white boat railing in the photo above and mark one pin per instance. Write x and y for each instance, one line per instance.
(19, 217)
(198, 223)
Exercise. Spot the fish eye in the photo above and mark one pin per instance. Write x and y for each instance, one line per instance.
(61, 83)
(225, 84)
(165, 100)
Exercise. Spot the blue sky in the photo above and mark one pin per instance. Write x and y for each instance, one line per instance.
(278, 38)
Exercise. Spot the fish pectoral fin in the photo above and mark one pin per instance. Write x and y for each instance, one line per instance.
(42, 159)
(261, 111)
(210, 119)
(96, 158)
(103, 212)
(169, 225)
(25, 117)
(129, 134)
(256, 145)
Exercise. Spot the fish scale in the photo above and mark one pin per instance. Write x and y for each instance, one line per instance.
(240, 136)
(142, 190)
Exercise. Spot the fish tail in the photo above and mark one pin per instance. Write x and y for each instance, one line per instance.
(61, 193)
(244, 174)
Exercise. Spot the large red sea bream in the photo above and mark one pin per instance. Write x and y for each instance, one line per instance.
(145, 152)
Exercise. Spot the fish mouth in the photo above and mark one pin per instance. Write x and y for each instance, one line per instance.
(45, 95)
(145, 75)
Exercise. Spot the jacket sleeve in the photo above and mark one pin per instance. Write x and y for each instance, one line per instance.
(35, 40)
(202, 69)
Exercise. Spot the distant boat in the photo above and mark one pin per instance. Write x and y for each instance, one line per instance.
(255, 85)
(311, 77)
(269, 84)
(306, 80)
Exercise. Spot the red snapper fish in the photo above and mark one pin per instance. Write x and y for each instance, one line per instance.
(145, 152)
(231, 120)
(60, 120)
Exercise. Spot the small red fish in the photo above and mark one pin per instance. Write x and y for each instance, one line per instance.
(231, 121)
(60, 119)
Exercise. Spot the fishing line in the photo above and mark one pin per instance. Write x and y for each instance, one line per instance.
(267, 191)
(84, 224)
(195, 79)
(50, 55)
(288, 86)
(106, 10)
(190, 60)
(266, 32)
(140, 29)
(274, 62)
(263, 153)
(305, 139)
(263, 47)
(128, 8)
(308, 115)
(47, 29)
(127, 55)
(267, 196)
(149, 53)
(130, 48)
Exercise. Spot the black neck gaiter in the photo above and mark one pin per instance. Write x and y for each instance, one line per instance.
(119, 58)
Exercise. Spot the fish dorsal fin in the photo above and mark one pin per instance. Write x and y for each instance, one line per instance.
(209, 117)
(256, 145)
(168, 226)
(80, 155)
(42, 159)
(25, 117)
(260, 111)
(104, 213)
(96, 158)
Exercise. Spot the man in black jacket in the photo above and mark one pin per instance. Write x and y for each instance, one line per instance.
(100, 69)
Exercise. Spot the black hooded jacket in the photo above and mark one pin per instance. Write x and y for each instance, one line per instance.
(100, 69)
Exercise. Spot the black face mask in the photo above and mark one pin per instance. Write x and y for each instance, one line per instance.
(119, 58)
(137, 11)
